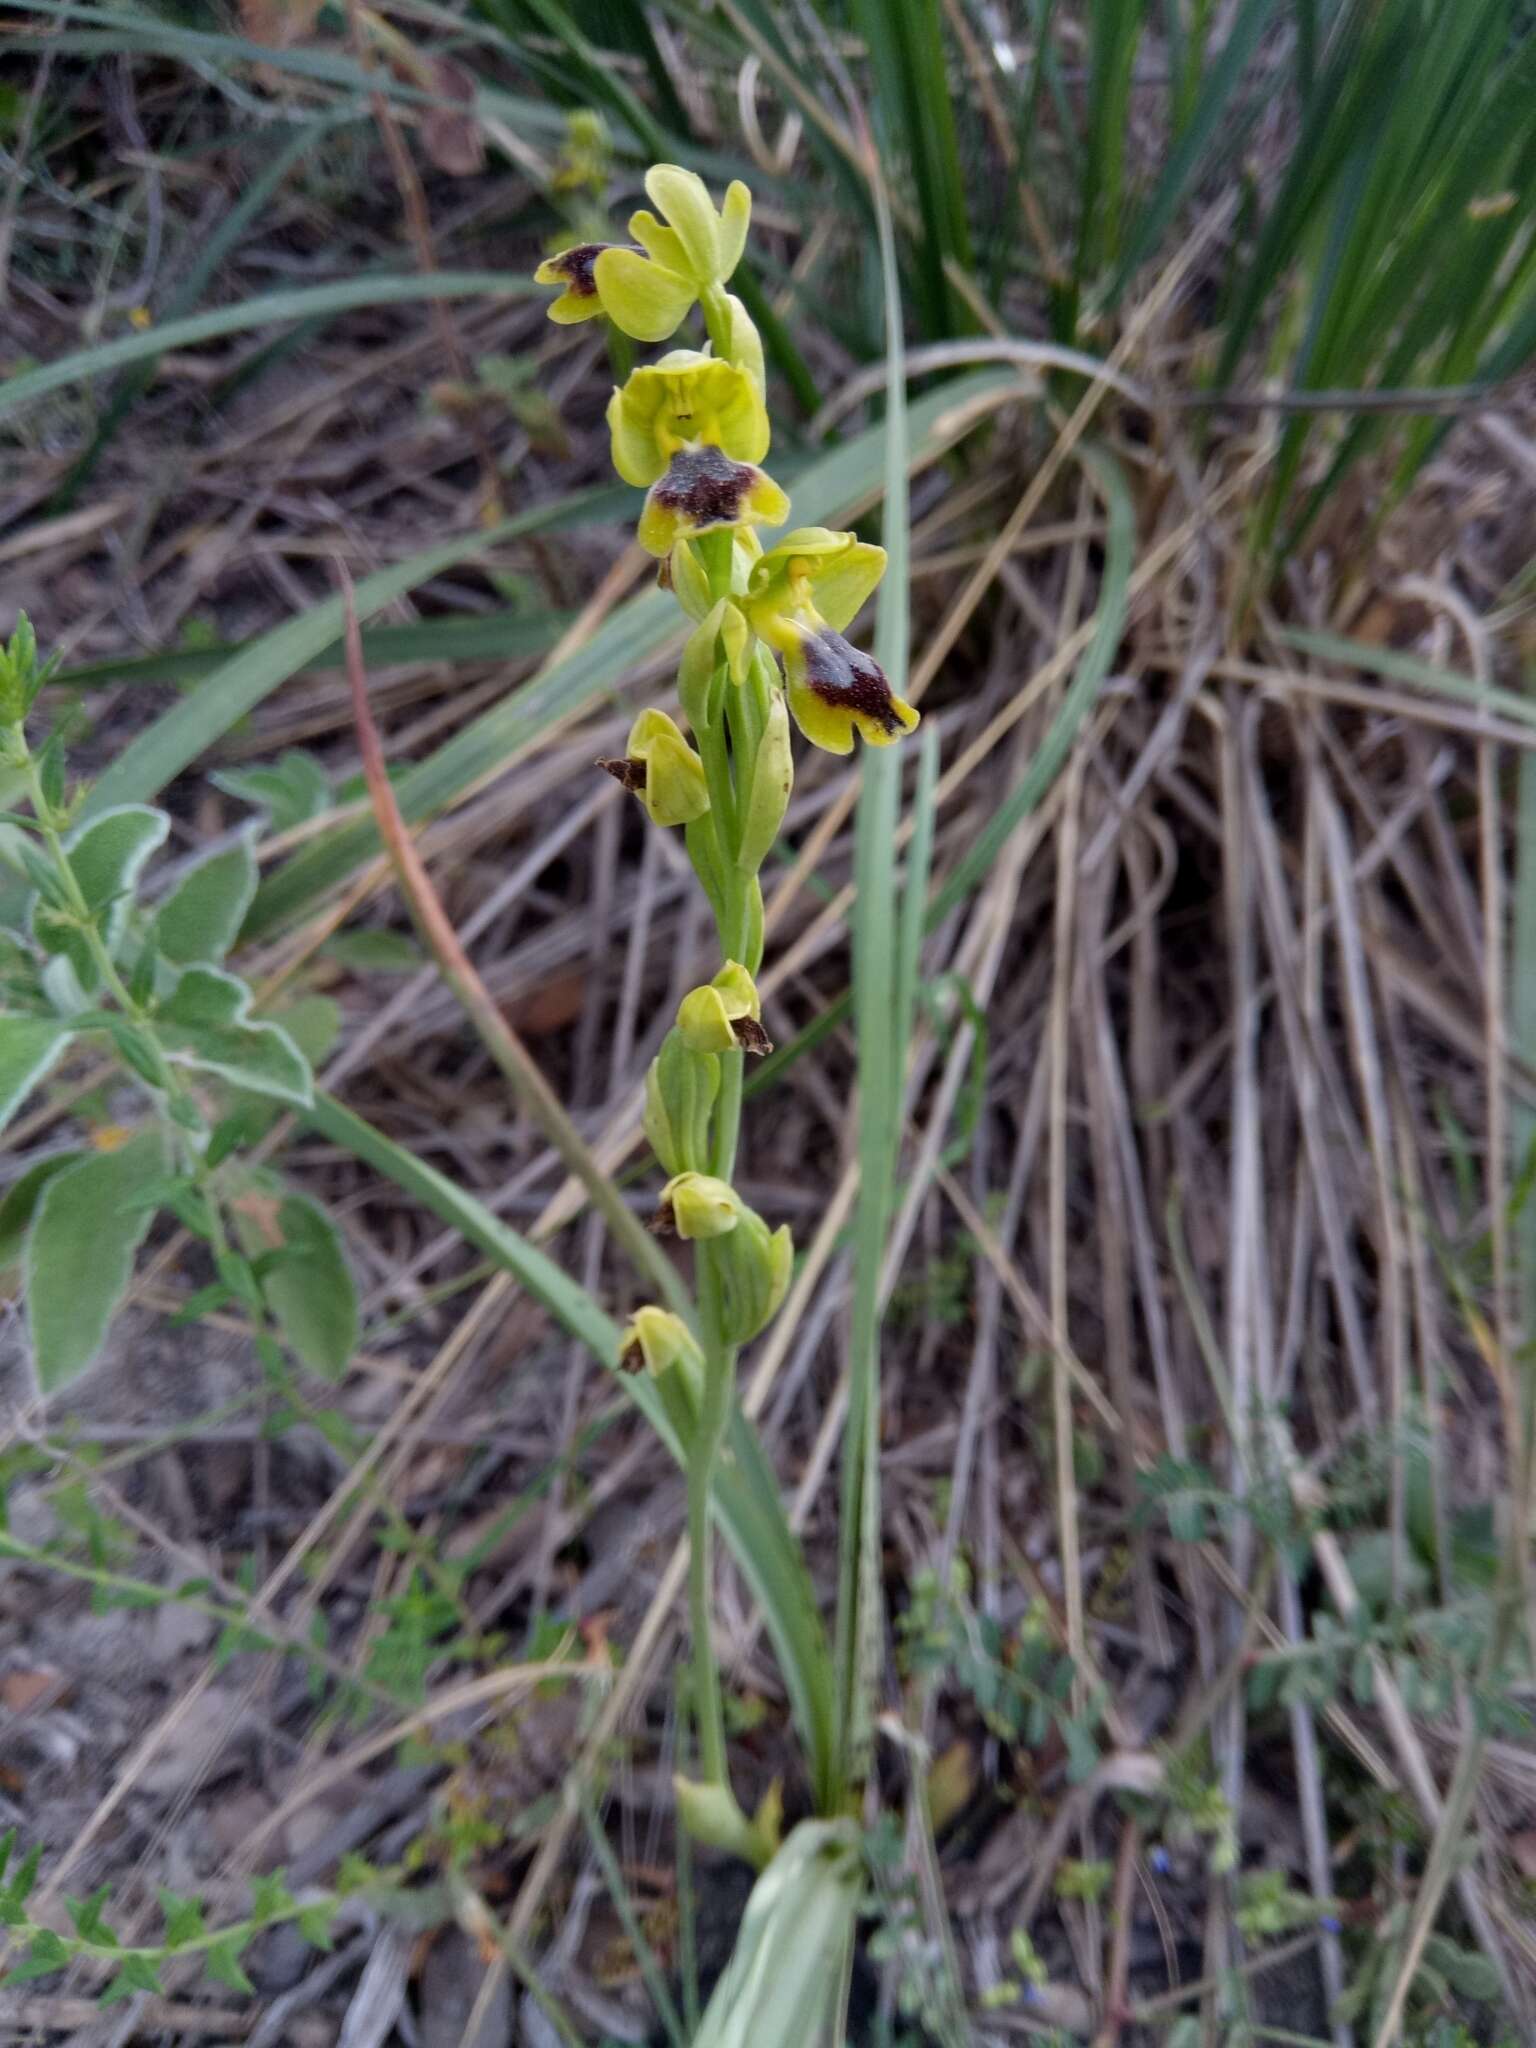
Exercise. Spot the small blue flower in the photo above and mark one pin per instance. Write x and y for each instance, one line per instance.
(1331, 1924)
(1159, 1859)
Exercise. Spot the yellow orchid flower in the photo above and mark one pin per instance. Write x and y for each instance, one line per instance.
(694, 429)
(799, 597)
(647, 291)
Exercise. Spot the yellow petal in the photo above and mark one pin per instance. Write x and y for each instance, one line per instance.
(746, 349)
(636, 454)
(842, 584)
(683, 197)
(735, 217)
(644, 298)
(658, 240)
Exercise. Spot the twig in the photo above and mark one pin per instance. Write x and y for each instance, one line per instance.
(496, 1034)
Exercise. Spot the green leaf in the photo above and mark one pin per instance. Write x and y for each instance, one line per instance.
(48, 1952)
(291, 791)
(308, 1285)
(80, 1255)
(314, 1923)
(137, 1974)
(86, 1915)
(198, 921)
(221, 1964)
(106, 855)
(373, 950)
(20, 1202)
(29, 1048)
(779, 1985)
(270, 1897)
(205, 1023)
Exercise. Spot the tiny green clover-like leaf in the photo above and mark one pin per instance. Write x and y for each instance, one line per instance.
(88, 1923)
(270, 1898)
(221, 1963)
(201, 917)
(46, 1953)
(29, 1048)
(79, 1254)
(183, 1917)
(106, 856)
(205, 1023)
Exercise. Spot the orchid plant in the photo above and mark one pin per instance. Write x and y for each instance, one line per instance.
(766, 649)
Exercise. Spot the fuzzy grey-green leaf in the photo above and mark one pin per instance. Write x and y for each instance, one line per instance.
(106, 856)
(198, 921)
(80, 1255)
(20, 1202)
(205, 1023)
(29, 1046)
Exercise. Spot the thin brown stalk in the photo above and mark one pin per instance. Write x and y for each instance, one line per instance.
(495, 1033)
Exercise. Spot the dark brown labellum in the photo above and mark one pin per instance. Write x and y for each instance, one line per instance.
(575, 267)
(848, 680)
(705, 486)
(632, 1358)
(663, 1223)
(750, 1035)
(628, 773)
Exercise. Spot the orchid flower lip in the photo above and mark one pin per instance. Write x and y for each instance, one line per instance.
(573, 268)
(628, 772)
(704, 485)
(844, 678)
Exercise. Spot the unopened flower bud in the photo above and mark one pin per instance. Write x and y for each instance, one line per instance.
(690, 584)
(680, 1090)
(662, 770)
(656, 1341)
(696, 1205)
(773, 777)
(755, 1267)
(722, 638)
(725, 1015)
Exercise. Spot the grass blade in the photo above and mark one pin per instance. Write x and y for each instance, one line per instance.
(271, 309)
(882, 1070)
